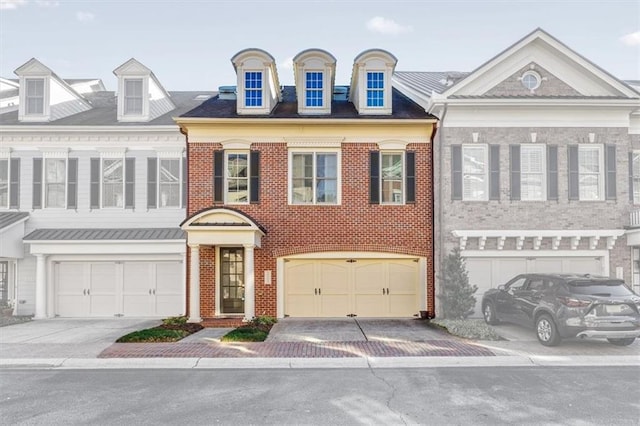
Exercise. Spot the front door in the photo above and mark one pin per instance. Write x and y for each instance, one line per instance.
(232, 280)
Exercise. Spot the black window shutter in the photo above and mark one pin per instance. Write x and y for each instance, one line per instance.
(552, 172)
(184, 182)
(94, 192)
(129, 182)
(610, 172)
(72, 183)
(410, 161)
(631, 176)
(514, 161)
(456, 172)
(218, 176)
(152, 184)
(14, 184)
(374, 177)
(494, 172)
(574, 174)
(254, 177)
(37, 183)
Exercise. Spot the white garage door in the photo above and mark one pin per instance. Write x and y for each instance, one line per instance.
(107, 289)
(341, 287)
(488, 272)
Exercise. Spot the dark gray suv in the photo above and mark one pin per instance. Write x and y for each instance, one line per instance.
(567, 305)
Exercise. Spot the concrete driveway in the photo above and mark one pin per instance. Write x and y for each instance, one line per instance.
(61, 338)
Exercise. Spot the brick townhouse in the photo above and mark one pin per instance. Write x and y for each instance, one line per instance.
(313, 200)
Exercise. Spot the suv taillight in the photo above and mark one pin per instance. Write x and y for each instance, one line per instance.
(574, 303)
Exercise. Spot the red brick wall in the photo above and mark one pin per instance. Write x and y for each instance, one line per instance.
(354, 225)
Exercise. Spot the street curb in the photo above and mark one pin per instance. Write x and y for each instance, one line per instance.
(318, 363)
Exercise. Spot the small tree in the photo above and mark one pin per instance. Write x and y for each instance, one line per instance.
(456, 294)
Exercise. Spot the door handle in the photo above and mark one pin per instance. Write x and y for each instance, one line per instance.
(319, 291)
(315, 291)
(84, 292)
(383, 291)
(387, 290)
(149, 292)
(88, 291)
(154, 291)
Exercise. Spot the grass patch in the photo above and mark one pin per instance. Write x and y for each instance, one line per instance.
(468, 328)
(255, 330)
(156, 334)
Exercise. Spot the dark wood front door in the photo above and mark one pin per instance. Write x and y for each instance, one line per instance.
(232, 280)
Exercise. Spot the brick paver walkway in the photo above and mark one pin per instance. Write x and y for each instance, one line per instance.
(453, 348)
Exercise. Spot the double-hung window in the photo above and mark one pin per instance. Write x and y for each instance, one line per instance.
(475, 182)
(253, 89)
(532, 172)
(112, 182)
(314, 177)
(313, 86)
(55, 182)
(391, 177)
(34, 96)
(590, 172)
(375, 89)
(169, 182)
(635, 176)
(133, 96)
(237, 177)
(4, 183)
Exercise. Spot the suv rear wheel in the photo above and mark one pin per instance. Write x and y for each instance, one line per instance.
(622, 342)
(547, 331)
(489, 314)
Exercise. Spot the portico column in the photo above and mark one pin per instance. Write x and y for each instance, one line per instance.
(41, 286)
(249, 283)
(194, 285)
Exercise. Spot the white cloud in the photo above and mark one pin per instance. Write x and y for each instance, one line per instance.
(632, 39)
(85, 16)
(382, 25)
(11, 4)
(47, 3)
(287, 63)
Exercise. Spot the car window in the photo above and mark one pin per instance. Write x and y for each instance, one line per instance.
(536, 284)
(603, 289)
(516, 285)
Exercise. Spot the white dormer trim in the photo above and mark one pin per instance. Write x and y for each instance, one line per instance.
(372, 61)
(132, 70)
(309, 61)
(34, 70)
(258, 61)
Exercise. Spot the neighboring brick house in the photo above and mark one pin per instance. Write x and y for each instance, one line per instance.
(537, 159)
(309, 201)
(91, 194)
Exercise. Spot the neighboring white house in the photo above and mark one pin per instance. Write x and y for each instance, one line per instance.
(537, 161)
(92, 190)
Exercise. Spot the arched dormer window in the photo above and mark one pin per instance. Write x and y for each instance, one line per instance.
(258, 84)
(314, 72)
(371, 82)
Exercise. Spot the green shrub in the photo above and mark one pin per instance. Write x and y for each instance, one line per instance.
(263, 320)
(245, 334)
(456, 293)
(175, 320)
(153, 335)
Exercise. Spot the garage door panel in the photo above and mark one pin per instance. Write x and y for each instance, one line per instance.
(589, 265)
(301, 306)
(334, 305)
(550, 265)
(369, 277)
(369, 305)
(403, 278)
(169, 278)
(300, 278)
(334, 279)
(402, 305)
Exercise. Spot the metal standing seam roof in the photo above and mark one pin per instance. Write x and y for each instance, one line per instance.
(428, 82)
(9, 218)
(106, 234)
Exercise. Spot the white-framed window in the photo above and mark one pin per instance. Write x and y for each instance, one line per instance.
(314, 177)
(314, 89)
(55, 182)
(531, 80)
(4, 183)
(392, 177)
(169, 185)
(236, 177)
(34, 96)
(635, 166)
(532, 172)
(253, 89)
(133, 99)
(112, 182)
(590, 172)
(375, 89)
(475, 172)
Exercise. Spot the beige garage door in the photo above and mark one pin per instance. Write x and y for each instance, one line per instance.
(108, 289)
(341, 287)
(488, 272)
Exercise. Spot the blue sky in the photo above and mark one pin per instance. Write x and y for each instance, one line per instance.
(188, 44)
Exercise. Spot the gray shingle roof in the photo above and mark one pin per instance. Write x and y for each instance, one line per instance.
(9, 218)
(106, 234)
(104, 112)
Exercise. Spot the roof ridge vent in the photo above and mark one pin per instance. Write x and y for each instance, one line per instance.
(227, 92)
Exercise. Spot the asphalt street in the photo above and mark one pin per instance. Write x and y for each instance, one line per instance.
(436, 396)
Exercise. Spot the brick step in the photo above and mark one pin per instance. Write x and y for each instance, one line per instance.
(222, 322)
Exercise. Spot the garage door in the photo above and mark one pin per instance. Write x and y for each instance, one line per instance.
(341, 287)
(107, 289)
(487, 272)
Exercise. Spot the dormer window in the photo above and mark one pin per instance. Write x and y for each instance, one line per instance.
(34, 97)
(133, 96)
(313, 90)
(375, 89)
(257, 82)
(253, 89)
(371, 82)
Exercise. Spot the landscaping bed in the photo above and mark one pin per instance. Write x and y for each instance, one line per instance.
(255, 330)
(171, 330)
(467, 328)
